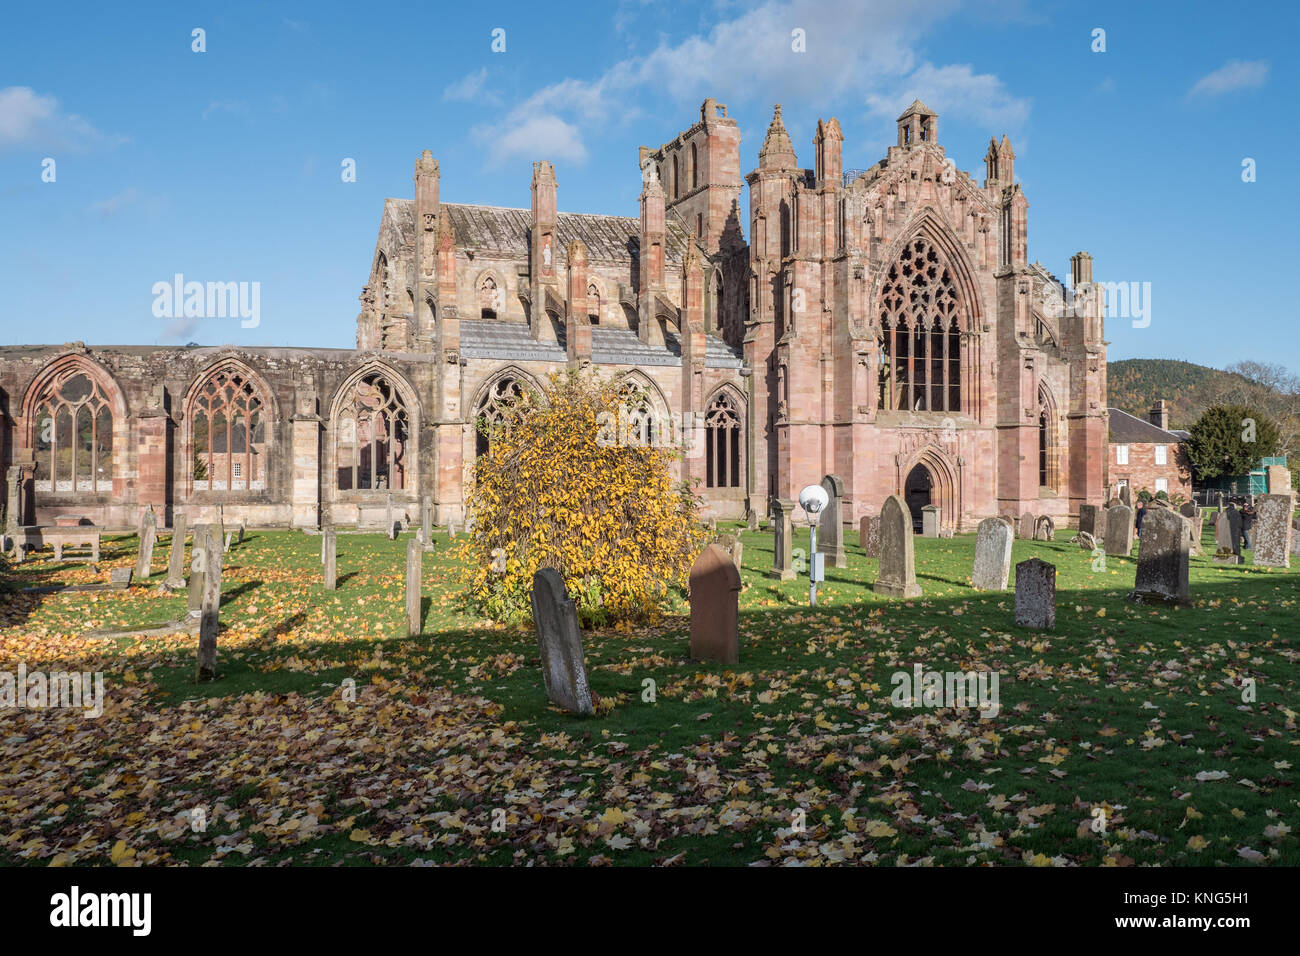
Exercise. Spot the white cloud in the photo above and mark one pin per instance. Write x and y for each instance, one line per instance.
(471, 89)
(541, 136)
(115, 204)
(852, 50)
(29, 119)
(1233, 75)
(955, 90)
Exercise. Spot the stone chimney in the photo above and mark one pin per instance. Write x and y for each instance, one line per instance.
(1159, 415)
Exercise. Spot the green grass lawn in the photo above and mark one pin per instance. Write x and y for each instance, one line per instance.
(450, 753)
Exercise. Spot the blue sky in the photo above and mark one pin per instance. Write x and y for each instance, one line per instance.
(225, 165)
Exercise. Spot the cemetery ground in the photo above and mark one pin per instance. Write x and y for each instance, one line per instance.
(450, 753)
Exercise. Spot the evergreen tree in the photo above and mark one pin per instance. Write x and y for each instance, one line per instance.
(1229, 440)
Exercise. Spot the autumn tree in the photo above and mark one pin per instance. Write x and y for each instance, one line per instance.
(1228, 440)
(561, 485)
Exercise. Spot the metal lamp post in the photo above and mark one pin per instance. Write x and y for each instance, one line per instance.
(813, 499)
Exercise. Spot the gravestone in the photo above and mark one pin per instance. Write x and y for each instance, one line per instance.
(1162, 559)
(426, 523)
(176, 560)
(1036, 595)
(210, 608)
(1126, 496)
(1044, 529)
(992, 555)
(715, 615)
(1026, 527)
(451, 527)
(869, 535)
(194, 602)
(230, 539)
(1088, 519)
(1113, 502)
(1188, 509)
(414, 562)
(733, 546)
(930, 521)
(243, 526)
(1193, 529)
(897, 577)
(1295, 536)
(783, 539)
(752, 520)
(388, 519)
(1227, 537)
(1087, 542)
(330, 572)
(148, 535)
(1273, 531)
(120, 577)
(830, 528)
(556, 620)
(13, 511)
(1119, 530)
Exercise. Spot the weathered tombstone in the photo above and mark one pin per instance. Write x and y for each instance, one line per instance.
(1036, 595)
(426, 523)
(414, 567)
(176, 559)
(1193, 530)
(120, 577)
(1044, 528)
(1295, 536)
(1119, 530)
(322, 546)
(783, 541)
(1113, 502)
(1273, 531)
(733, 546)
(230, 539)
(1088, 519)
(869, 535)
(930, 521)
(198, 549)
(1188, 509)
(331, 570)
(830, 527)
(897, 577)
(560, 641)
(1026, 527)
(388, 519)
(1227, 537)
(1162, 559)
(752, 520)
(243, 526)
(451, 527)
(210, 609)
(148, 535)
(715, 614)
(1126, 496)
(992, 555)
(1087, 542)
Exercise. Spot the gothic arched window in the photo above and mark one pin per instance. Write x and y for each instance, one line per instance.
(227, 426)
(722, 443)
(497, 409)
(74, 434)
(638, 415)
(1047, 450)
(489, 298)
(593, 304)
(695, 166)
(921, 318)
(717, 302)
(371, 437)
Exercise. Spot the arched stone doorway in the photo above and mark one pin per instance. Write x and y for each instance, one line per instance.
(917, 492)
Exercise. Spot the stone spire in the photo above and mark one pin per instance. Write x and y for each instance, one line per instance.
(777, 151)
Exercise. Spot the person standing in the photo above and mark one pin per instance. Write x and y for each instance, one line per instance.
(1139, 515)
(1247, 520)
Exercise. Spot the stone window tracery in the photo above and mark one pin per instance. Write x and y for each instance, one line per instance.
(722, 443)
(921, 319)
(497, 409)
(74, 435)
(372, 435)
(227, 422)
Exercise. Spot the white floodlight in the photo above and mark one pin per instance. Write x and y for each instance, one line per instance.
(813, 499)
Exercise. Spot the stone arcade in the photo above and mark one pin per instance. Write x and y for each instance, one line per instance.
(885, 326)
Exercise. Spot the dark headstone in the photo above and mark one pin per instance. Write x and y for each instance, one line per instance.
(1162, 559)
(556, 621)
(1227, 536)
(1088, 519)
(1036, 595)
(715, 616)
(1119, 530)
(148, 536)
(830, 527)
(209, 608)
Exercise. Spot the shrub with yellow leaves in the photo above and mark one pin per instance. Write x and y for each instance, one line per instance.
(552, 490)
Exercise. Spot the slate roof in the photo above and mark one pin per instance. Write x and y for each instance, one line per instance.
(508, 341)
(1126, 429)
(500, 229)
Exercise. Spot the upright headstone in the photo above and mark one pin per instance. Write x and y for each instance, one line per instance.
(897, 577)
(1295, 536)
(1026, 527)
(176, 560)
(331, 569)
(1227, 536)
(1188, 509)
(992, 555)
(198, 549)
(830, 527)
(1273, 530)
(1036, 595)
(210, 608)
(14, 509)
(1126, 496)
(560, 641)
(1119, 530)
(1088, 519)
(715, 613)
(1162, 559)
(752, 519)
(451, 527)
(414, 567)
(1193, 529)
(1044, 528)
(243, 526)
(426, 523)
(733, 546)
(783, 539)
(930, 521)
(148, 535)
(869, 535)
